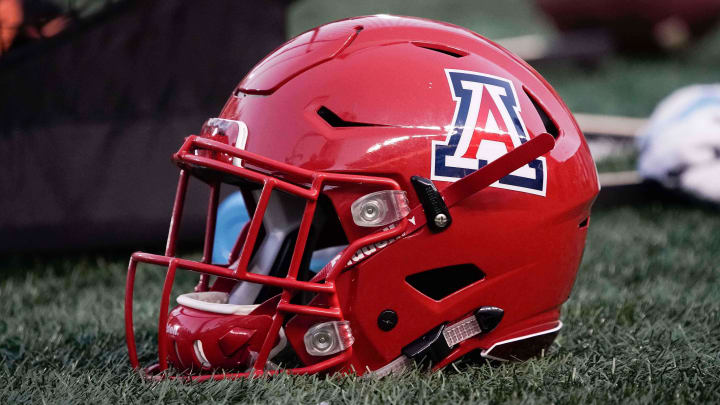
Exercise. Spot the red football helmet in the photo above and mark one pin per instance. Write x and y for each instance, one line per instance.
(448, 177)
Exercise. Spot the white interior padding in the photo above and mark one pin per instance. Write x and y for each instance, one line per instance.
(282, 216)
(213, 301)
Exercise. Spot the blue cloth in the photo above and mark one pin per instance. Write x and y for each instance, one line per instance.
(231, 217)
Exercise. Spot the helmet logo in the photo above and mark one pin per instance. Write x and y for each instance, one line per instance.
(485, 126)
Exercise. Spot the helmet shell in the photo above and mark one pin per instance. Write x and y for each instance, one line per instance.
(385, 81)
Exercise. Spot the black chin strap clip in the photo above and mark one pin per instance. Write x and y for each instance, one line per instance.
(433, 347)
(436, 211)
(430, 347)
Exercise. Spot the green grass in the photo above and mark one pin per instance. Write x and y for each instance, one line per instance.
(642, 326)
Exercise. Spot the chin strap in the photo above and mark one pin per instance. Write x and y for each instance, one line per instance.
(498, 168)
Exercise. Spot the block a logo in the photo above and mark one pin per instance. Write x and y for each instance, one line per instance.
(486, 125)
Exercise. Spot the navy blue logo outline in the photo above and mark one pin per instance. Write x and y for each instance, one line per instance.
(462, 96)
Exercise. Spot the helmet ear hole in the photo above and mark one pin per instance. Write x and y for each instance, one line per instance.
(443, 281)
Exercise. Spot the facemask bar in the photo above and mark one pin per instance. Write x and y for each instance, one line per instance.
(312, 185)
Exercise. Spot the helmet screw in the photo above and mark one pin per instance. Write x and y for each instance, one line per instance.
(387, 320)
(441, 220)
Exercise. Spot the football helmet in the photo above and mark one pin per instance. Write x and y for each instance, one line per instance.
(448, 180)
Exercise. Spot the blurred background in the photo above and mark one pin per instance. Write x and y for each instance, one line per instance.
(95, 95)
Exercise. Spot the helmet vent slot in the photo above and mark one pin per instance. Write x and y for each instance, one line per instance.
(335, 121)
(550, 126)
(447, 50)
(443, 281)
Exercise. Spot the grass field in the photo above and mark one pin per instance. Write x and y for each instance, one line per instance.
(642, 324)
